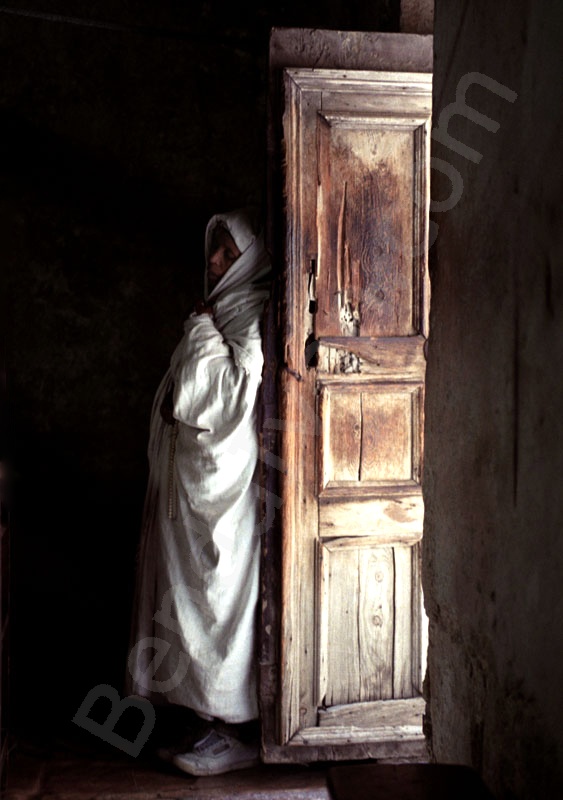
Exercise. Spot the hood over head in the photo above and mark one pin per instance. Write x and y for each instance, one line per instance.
(252, 265)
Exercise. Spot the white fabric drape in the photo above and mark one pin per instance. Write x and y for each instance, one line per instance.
(197, 585)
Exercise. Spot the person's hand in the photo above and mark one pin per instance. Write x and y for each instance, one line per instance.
(201, 307)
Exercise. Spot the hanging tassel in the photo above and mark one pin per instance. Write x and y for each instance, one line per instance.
(171, 481)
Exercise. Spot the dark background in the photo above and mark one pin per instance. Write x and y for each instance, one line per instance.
(124, 126)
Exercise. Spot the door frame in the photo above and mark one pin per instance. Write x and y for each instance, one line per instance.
(305, 48)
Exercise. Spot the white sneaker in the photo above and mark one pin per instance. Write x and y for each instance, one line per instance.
(183, 744)
(217, 753)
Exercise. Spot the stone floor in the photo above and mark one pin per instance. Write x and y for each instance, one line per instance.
(70, 771)
(63, 761)
(81, 767)
(65, 772)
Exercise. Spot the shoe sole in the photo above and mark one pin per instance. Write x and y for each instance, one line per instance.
(203, 773)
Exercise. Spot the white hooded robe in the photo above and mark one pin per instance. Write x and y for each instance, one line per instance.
(194, 631)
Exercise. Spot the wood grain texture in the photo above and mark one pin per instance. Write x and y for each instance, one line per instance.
(384, 713)
(419, 623)
(298, 422)
(372, 168)
(349, 250)
(334, 747)
(376, 622)
(340, 676)
(344, 525)
(346, 439)
(399, 357)
(339, 734)
(371, 434)
(386, 436)
(403, 654)
(366, 622)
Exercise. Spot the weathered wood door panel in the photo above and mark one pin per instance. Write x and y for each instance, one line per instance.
(355, 321)
(366, 641)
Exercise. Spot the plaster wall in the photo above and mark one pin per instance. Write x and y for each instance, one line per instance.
(493, 555)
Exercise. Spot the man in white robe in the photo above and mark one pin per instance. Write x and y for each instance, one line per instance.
(194, 625)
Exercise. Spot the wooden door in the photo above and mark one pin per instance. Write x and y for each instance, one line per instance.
(354, 316)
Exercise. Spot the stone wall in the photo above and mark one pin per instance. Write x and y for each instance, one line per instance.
(494, 508)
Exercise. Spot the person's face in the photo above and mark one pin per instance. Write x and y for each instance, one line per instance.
(223, 252)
